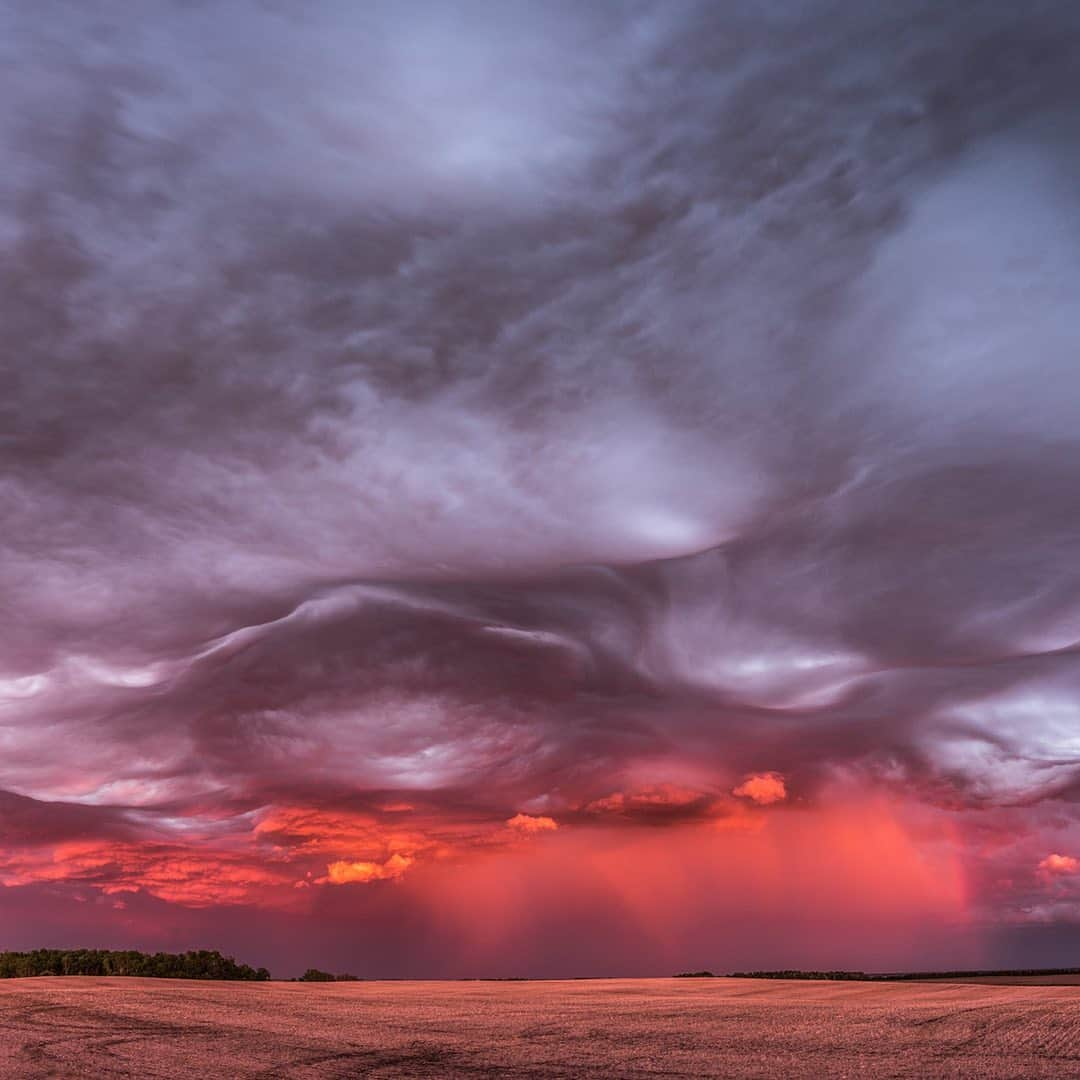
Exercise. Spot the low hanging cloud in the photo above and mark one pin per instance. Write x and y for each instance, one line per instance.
(529, 824)
(1060, 864)
(762, 788)
(345, 873)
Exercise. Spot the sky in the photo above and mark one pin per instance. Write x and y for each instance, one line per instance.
(495, 488)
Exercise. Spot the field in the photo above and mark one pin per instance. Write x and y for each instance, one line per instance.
(90, 1027)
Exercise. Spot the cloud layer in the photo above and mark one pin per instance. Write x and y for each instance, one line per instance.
(432, 434)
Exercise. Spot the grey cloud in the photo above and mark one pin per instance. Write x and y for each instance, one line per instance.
(387, 405)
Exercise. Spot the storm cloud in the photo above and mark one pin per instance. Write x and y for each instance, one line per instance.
(421, 419)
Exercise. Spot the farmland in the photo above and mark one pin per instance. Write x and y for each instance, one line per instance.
(103, 1027)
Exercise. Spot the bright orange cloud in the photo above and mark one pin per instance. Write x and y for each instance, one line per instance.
(1060, 864)
(526, 823)
(762, 788)
(172, 872)
(271, 864)
(344, 873)
(299, 832)
(306, 830)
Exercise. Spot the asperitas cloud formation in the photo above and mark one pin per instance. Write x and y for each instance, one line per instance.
(495, 486)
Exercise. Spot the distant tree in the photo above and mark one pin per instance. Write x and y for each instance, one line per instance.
(202, 964)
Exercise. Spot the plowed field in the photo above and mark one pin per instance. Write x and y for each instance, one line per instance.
(87, 1027)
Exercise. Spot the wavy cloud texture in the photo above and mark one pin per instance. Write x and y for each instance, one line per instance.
(432, 433)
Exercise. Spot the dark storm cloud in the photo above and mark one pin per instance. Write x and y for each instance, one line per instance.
(512, 407)
(27, 822)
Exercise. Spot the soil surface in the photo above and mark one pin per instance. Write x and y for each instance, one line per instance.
(90, 1027)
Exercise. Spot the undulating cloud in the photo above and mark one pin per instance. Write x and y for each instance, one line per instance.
(423, 426)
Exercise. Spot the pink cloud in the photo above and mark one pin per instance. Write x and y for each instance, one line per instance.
(762, 788)
(657, 799)
(1059, 864)
(527, 823)
(344, 873)
(176, 873)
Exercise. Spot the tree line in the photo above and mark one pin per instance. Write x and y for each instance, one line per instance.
(197, 964)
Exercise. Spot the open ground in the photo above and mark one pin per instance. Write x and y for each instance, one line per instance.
(83, 1027)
